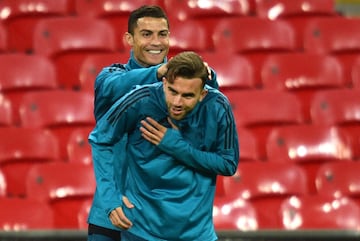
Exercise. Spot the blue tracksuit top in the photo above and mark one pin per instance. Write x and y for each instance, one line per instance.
(111, 84)
(172, 185)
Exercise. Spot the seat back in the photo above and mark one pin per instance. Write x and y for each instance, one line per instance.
(93, 64)
(68, 40)
(64, 186)
(22, 17)
(275, 9)
(337, 36)
(308, 146)
(339, 179)
(78, 148)
(319, 212)
(266, 184)
(261, 110)
(6, 116)
(20, 148)
(61, 111)
(236, 72)
(234, 214)
(339, 107)
(282, 72)
(257, 38)
(21, 214)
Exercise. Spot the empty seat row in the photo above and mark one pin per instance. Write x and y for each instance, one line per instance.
(276, 71)
(280, 187)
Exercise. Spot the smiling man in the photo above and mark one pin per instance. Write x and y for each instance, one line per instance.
(181, 134)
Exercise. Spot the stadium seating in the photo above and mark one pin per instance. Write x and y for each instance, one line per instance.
(233, 71)
(355, 74)
(339, 179)
(275, 9)
(337, 36)
(93, 64)
(257, 38)
(182, 37)
(3, 184)
(20, 148)
(3, 39)
(266, 184)
(184, 10)
(339, 107)
(6, 118)
(296, 12)
(249, 150)
(21, 16)
(261, 110)
(78, 148)
(83, 214)
(114, 12)
(317, 72)
(234, 214)
(64, 186)
(308, 146)
(60, 111)
(20, 73)
(68, 40)
(22, 214)
(321, 213)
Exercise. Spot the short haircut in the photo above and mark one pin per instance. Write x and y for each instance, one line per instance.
(152, 11)
(188, 65)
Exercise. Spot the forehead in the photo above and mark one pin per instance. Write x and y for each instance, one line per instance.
(152, 24)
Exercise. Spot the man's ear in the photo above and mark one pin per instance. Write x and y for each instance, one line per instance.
(128, 39)
(203, 94)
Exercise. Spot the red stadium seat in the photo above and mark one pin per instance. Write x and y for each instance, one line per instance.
(337, 36)
(234, 214)
(249, 150)
(275, 9)
(337, 179)
(266, 184)
(114, 12)
(355, 73)
(308, 146)
(6, 118)
(21, 16)
(3, 184)
(20, 73)
(83, 214)
(78, 148)
(68, 40)
(257, 38)
(3, 39)
(60, 111)
(282, 72)
(239, 74)
(188, 9)
(261, 110)
(93, 64)
(182, 37)
(318, 212)
(296, 12)
(340, 107)
(65, 186)
(20, 148)
(22, 214)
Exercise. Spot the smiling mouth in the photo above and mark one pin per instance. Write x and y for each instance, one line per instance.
(154, 51)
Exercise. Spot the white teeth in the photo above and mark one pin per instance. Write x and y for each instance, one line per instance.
(155, 51)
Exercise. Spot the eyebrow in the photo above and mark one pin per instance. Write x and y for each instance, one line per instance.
(190, 94)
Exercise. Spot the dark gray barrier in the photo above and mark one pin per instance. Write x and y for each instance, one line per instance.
(262, 235)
